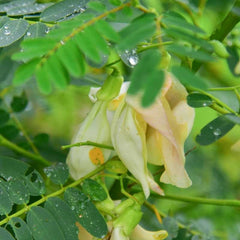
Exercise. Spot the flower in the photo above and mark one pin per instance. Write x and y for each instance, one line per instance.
(140, 233)
(95, 128)
(128, 130)
(169, 121)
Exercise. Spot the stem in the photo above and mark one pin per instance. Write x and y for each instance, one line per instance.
(223, 29)
(224, 88)
(154, 209)
(4, 142)
(54, 194)
(198, 200)
(20, 127)
(88, 143)
(213, 98)
(78, 30)
(237, 94)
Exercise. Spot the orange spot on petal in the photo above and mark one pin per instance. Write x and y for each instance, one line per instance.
(96, 156)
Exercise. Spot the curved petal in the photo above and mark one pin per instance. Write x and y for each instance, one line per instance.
(140, 233)
(168, 129)
(95, 128)
(128, 138)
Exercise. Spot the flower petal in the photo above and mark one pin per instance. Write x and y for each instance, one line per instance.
(140, 233)
(172, 127)
(95, 128)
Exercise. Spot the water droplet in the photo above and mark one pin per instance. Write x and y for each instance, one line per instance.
(29, 34)
(62, 42)
(217, 132)
(211, 127)
(7, 32)
(133, 60)
(129, 57)
(5, 27)
(204, 104)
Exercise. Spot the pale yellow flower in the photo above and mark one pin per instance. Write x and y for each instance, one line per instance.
(169, 120)
(95, 128)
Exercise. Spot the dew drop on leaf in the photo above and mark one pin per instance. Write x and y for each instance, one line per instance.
(217, 132)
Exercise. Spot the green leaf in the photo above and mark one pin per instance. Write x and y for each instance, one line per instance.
(175, 20)
(106, 30)
(14, 4)
(43, 82)
(179, 34)
(56, 72)
(35, 183)
(43, 225)
(140, 29)
(72, 58)
(94, 190)
(18, 104)
(5, 203)
(27, 9)
(18, 191)
(97, 6)
(24, 72)
(198, 100)
(115, 2)
(64, 216)
(5, 235)
(10, 167)
(9, 131)
(62, 9)
(3, 20)
(89, 216)
(4, 116)
(41, 139)
(32, 48)
(190, 52)
(87, 45)
(215, 130)
(11, 31)
(36, 30)
(58, 173)
(152, 89)
(186, 77)
(20, 229)
(170, 225)
(150, 60)
(99, 41)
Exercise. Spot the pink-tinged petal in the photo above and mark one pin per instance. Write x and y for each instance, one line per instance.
(173, 130)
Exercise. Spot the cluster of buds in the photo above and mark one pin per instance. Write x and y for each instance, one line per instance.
(138, 135)
(125, 226)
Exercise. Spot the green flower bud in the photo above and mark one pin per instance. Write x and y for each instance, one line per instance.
(116, 166)
(220, 49)
(111, 87)
(129, 219)
(129, 202)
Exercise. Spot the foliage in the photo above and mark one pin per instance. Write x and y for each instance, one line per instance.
(52, 51)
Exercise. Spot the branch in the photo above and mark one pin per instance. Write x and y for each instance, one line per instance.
(4, 142)
(198, 200)
(54, 194)
(88, 143)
